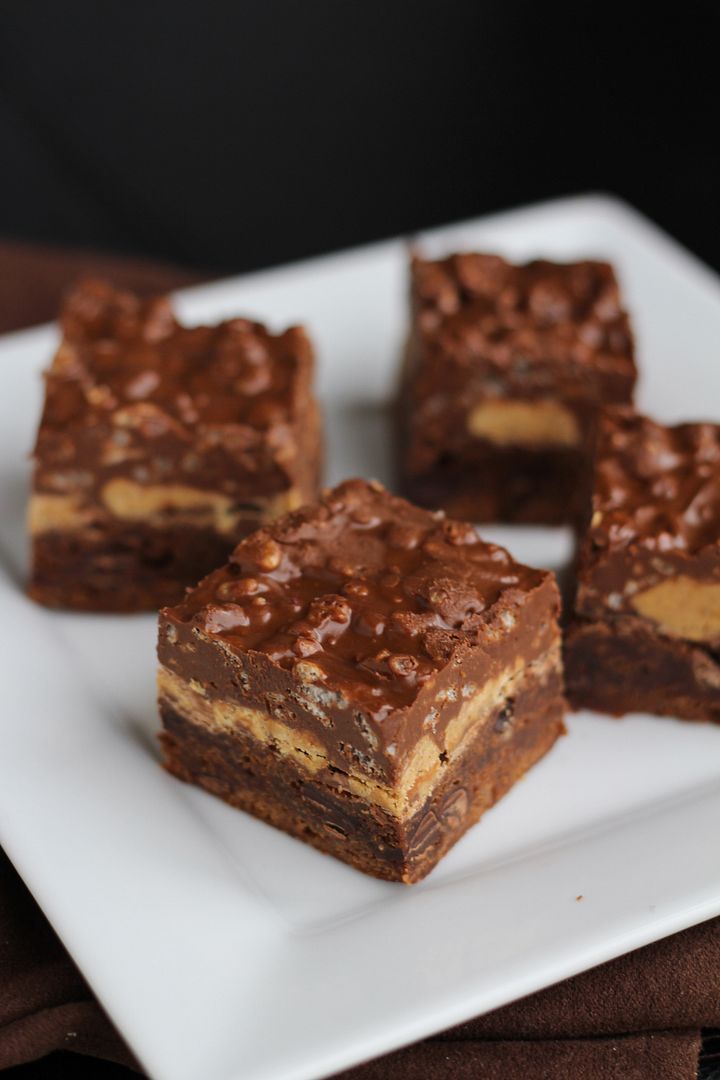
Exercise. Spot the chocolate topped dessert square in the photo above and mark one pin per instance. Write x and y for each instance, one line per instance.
(645, 634)
(366, 675)
(160, 446)
(504, 371)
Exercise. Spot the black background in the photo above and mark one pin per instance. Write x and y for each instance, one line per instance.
(238, 135)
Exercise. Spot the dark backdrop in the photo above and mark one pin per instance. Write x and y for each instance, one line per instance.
(235, 135)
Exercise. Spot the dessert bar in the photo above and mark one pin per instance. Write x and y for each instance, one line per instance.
(160, 446)
(505, 368)
(365, 675)
(645, 628)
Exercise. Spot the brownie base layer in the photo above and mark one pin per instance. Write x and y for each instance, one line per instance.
(255, 778)
(625, 666)
(124, 569)
(540, 487)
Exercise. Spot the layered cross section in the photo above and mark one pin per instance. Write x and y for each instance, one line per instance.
(645, 628)
(505, 369)
(160, 446)
(366, 675)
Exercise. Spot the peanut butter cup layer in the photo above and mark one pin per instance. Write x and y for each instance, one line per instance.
(160, 446)
(505, 369)
(645, 631)
(364, 674)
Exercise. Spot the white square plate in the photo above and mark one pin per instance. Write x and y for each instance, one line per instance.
(223, 949)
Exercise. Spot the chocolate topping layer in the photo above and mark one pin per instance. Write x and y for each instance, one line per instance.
(657, 487)
(504, 371)
(132, 392)
(652, 546)
(363, 592)
(480, 305)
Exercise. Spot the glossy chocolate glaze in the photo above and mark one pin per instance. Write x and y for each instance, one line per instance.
(132, 392)
(477, 305)
(654, 485)
(655, 510)
(375, 610)
(365, 587)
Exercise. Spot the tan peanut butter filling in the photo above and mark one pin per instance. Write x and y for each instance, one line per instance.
(156, 505)
(682, 607)
(58, 513)
(422, 770)
(509, 422)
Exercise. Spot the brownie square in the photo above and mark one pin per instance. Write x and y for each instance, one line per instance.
(645, 630)
(160, 446)
(504, 371)
(365, 675)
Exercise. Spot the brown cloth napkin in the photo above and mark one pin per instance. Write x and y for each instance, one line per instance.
(33, 279)
(635, 1018)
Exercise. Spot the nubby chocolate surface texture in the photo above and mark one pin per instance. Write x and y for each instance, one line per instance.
(160, 446)
(645, 628)
(505, 369)
(364, 674)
